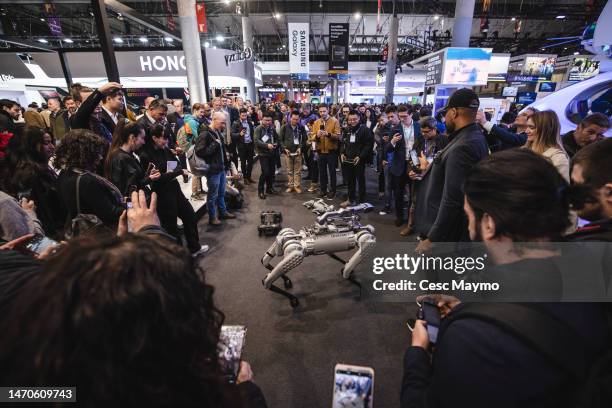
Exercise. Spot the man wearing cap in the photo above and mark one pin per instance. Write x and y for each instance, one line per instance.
(439, 215)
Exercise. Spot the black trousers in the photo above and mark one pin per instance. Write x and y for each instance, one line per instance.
(327, 164)
(313, 168)
(266, 178)
(398, 184)
(246, 152)
(232, 149)
(172, 204)
(355, 176)
(381, 181)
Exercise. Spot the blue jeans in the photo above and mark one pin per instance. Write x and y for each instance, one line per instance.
(216, 193)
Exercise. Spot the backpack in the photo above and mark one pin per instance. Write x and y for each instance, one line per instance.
(553, 339)
(197, 165)
(184, 138)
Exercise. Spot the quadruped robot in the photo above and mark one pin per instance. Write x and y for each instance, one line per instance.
(333, 231)
(319, 207)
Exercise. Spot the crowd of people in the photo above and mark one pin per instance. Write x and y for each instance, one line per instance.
(123, 297)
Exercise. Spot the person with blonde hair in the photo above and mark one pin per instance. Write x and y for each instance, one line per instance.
(544, 138)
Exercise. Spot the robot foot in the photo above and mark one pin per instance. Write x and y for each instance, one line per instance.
(287, 282)
(292, 299)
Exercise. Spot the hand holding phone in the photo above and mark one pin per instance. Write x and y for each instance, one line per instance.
(353, 386)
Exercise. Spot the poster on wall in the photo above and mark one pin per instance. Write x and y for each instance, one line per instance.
(583, 68)
(467, 66)
(299, 51)
(543, 67)
(338, 48)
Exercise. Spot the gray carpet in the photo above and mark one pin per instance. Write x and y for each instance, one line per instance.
(293, 351)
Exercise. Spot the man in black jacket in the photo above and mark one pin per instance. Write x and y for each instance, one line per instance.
(355, 149)
(243, 137)
(156, 115)
(439, 215)
(293, 142)
(591, 129)
(500, 355)
(9, 113)
(211, 148)
(266, 143)
(87, 115)
(112, 105)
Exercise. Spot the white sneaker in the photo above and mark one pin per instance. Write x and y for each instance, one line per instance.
(202, 251)
(276, 172)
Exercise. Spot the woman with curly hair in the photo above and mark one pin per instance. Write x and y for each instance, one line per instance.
(27, 173)
(127, 320)
(78, 157)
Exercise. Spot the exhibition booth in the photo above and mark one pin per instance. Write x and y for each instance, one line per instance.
(38, 75)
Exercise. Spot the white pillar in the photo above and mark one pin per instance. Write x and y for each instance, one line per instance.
(192, 49)
(392, 56)
(247, 42)
(347, 91)
(462, 29)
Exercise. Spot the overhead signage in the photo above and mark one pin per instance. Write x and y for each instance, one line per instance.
(542, 66)
(338, 48)
(240, 56)
(12, 66)
(434, 66)
(523, 78)
(466, 66)
(498, 69)
(339, 76)
(583, 68)
(299, 51)
(201, 17)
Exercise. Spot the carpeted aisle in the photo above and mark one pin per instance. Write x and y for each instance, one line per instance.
(293, 352)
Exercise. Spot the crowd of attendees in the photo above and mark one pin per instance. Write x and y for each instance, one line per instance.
(121, 296)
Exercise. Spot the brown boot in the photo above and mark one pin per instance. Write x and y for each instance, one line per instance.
(227, 216)
(298, 190)
(289, 190)
(407, 230)
(214, 222)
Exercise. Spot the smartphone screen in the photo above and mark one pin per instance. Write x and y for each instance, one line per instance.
(415, 158)
(39, 243)
(171, 165)
(353, 387)
(231, 342)
(431, 314)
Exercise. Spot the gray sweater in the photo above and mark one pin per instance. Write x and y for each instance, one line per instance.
(16, 222)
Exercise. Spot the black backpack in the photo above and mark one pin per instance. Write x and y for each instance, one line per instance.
(555, 340)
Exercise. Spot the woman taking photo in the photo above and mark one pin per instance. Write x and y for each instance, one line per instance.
(171, 202)
(29, 175)
(543, 137)
(79, 155)
(122, 167)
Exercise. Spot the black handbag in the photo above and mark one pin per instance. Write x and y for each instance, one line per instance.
(82, 223)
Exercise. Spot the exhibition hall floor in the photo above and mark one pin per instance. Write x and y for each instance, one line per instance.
(293, 351)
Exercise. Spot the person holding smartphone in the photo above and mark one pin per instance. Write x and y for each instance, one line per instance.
(325, 133)
(293, 140)
(356, 148)
(266, 143)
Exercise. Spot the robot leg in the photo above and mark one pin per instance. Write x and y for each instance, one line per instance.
(293, 256)
(365, 242)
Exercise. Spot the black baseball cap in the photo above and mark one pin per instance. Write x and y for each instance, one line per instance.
(462, 98)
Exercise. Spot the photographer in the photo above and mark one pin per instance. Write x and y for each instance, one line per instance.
(503, 354)
(355, 150)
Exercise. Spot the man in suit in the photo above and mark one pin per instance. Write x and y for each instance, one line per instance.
(112, 105)
(156, 115)
(403, 139)
(243, 138)
(439, 215)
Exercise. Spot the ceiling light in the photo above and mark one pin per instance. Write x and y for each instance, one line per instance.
(169, 39)
(436, 17)
(206, 44)
(68, 40)
(42, 40)
(576, 53)
(513, 19)
(214, 47)
(277, 16)
(227, 1)
(560, 17)
(357, 15)
(118, 40)
(220, 38)
(143, 40)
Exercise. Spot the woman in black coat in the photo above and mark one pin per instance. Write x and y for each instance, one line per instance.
(80, 154)
(171, 202)
(27, 173)
(122, 167)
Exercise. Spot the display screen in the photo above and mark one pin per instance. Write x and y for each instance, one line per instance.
(498, 70)
(231, 342)
(540, 66)
(509, 91)
(582, 69)
(466, 66)
(548, 87)
(352, 389)
(526, 98)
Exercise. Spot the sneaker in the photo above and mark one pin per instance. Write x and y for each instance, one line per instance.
(331, 196)
(345, 204)
(312, 189)
(385, 210)
(227, 216)
(298, 190)
(289, 190)
(322, 195)
(203, 249)
(276, 172)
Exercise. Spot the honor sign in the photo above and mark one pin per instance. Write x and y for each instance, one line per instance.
(299, 50)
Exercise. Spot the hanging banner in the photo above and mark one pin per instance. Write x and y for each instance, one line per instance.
(201, 14)
(299, 51)
(52, 20)
(338, 48)
(169, 16)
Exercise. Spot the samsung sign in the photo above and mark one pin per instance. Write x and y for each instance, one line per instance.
(299, 50)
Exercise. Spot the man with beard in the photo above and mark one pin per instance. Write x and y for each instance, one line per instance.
(439, 215)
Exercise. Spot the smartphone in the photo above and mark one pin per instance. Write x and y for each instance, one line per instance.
(431, 314)
(150, 168)
(39, 244)
(171, 165)
(353, 386)
(231, 342)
